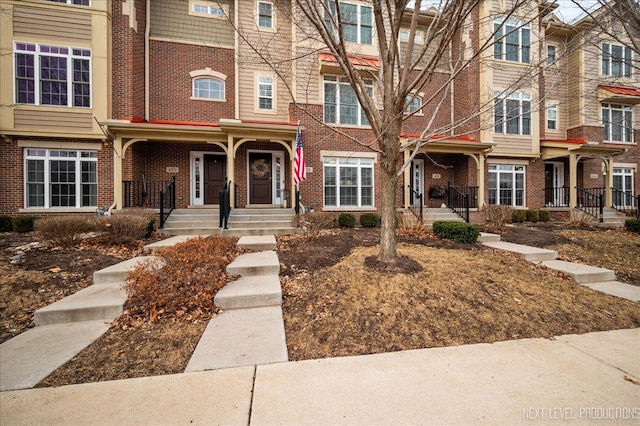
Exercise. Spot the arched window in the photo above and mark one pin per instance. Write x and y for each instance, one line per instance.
(208, 84)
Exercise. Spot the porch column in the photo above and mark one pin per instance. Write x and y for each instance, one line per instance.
(481, 188)
(407, 178)
(117, 173)
(231, 171)
(573, 180)
(292, 193)
(608, 192)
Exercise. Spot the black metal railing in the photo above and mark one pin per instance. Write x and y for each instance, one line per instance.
(471, 192)
(143, 193)
(416, 204)
(167, 202)
(556, 197)
(225, 205)
(626, 202)
(591, 201)
(458, 202)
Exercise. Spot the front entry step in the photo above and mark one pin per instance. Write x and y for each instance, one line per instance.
(532, 254)
(581, 273)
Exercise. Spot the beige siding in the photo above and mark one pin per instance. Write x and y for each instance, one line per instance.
(60, 25)
(53, 120)
(274, 47)
(556, 89)
(574, 88)
(170, 19)
(507, 144)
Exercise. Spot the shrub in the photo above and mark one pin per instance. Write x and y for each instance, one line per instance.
(181, 283)
(580, 218)
(313, 222)
(23, 223)
(128, 226)
(459, 232)
(519, 216)
(346, 220)
(5, 224)
(532, 215)
(369, 220)
(497, 215)
(545, 216)
(65, 230)
(632, 225)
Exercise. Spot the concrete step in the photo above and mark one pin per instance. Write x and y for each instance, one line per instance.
(581, 273)
(175, 223)
(191, 231)
(31, 356)
(118, 272)
(618, 289)
(261, 211)
(241, 337)
(239, 232)
(196, 210)
(258, 242)
(250, 292)
(258, 217)
(251, 264)
(486, 237)
(532, 254)
(266, 222)
(169, 242)
(96, 302)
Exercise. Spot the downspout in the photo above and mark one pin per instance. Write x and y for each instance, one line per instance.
(236, 56)
(147, 30)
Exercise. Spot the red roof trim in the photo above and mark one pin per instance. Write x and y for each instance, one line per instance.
(365, 61)
(570, 140)
(440, 137)
(183, 123)
(619, 90)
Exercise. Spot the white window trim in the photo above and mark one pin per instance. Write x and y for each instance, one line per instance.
(624, 64)
(273, 16)
(359, 24)
(70, 89)
(618, 107)
(207, 73)
(352, 155)
(209, 4)
(519, 25)
(403, 36)
(521, 97)
(420, 111)
(360, 109)
(555, 54)
(47, 175)
(71, 3)
(513, 190)
(274, 93)
(547, 119)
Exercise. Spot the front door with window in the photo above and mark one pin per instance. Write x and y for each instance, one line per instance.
(417, 182)
(555, 193)
(215, 169)
(260, 178)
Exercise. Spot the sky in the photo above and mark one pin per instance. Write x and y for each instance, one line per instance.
(568, 11)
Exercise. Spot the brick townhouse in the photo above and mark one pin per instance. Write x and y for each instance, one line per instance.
(103, 103)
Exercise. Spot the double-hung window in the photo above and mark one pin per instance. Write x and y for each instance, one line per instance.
(265, 92)
(356, 20)
(511, 40)
(617, 121)
(52, 75)
(551, 54)
(348, 182)
(61, 178)
(265, 14)
(506, 185)
(512, 113)
(552, 116)
(616, 60)
(341, 104)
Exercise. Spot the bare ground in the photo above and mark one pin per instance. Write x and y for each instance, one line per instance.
(336, 302)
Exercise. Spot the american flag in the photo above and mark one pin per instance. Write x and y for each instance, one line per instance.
(299, 166)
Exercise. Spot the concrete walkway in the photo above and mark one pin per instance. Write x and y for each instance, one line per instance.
(573, 379)
(599, 279)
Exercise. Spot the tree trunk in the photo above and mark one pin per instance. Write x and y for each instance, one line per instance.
(389, 183)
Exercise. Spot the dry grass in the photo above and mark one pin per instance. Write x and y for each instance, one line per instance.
(460, 297)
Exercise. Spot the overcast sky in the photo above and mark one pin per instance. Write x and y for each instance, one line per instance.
(567, 10)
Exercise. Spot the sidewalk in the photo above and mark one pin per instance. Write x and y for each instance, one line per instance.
(571, 379)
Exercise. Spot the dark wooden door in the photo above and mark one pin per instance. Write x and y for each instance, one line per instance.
(215, 172)
(260, 172)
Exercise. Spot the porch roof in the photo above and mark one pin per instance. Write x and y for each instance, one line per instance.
(562, 148)
(456, 146)
(626, 95)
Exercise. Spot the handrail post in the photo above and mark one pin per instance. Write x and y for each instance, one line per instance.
(161, 209)
(297, 205)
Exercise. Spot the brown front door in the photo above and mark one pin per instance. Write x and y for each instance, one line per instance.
(260, 178)
(215, 172)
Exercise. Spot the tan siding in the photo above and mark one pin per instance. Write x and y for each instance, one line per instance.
(556, 88)
(170, 19)
(511, 145)
(574, 88)
(53, 120)
(62, 25)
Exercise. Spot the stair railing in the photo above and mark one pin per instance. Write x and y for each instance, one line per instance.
(591, 201)
(458, 202)
(225, 205)
(297, 201)
(416, 209)
(167, 199)
(626, 202)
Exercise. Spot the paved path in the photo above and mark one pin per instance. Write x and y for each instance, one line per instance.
(569, 379)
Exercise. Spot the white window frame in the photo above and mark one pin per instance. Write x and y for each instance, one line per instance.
(340, 162)
(411, 107)
(37, 51)
(212, 9)
(552, 116)
(626, 129)
(329, 10)
(403, 36)
(607, 62)
(503, 32)
(272, 16)
(342, 83)
(512, 170)
(522, 114)
(47, 156)
(552, 58)
(73, 2)
(261, 81)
